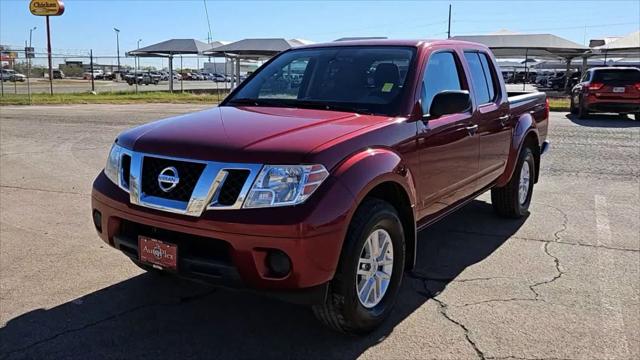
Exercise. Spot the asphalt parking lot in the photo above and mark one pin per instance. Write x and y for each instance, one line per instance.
(560, 284)
(40, 86)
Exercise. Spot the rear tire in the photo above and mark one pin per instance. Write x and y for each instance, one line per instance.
(582, 112)
(572, 107)
(509, 201)
(344, 309)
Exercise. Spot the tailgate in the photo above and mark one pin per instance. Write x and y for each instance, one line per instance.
(616, 84)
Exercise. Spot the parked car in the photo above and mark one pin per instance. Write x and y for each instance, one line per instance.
(607, 89)
(145, 78)
(58, 74)
(314, 193)
(96, 74)
(574, 78)
(541, 77)
(557, 81)
(12, 75)
(218, 77)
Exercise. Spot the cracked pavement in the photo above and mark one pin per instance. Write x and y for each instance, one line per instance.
(560, 284)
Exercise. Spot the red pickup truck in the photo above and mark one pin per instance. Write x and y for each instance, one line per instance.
(311, 179)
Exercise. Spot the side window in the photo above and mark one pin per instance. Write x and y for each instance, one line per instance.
(480, 87)
(286, 82)
(585, 76)
(489, 76)
(441, 74)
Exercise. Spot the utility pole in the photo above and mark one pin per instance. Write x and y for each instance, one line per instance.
(449, 25)
(118, 46)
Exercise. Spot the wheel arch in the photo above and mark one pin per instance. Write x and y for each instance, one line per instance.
(381, 173)
(525, 134)
(394, 194)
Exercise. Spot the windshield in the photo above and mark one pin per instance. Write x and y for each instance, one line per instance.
(362, 79)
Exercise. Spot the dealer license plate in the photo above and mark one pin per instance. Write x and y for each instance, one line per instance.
(157, 253)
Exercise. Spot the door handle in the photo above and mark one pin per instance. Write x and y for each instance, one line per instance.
(472, 129)
(504, 119)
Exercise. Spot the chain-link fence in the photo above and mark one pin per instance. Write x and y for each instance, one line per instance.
(84, 72)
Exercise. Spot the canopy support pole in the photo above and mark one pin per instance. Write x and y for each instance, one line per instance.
(567, 75)
(584, 64)
(171, 73)
(238, 71)
(526, 68)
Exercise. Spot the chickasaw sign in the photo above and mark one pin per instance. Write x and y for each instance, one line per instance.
(46, 7)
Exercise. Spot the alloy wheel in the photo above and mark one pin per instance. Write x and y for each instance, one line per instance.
(375, 267)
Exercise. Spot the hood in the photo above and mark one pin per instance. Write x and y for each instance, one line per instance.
(246, 134)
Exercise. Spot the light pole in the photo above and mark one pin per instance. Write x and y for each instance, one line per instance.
(31, 33)
(29, 63)
(118, 46)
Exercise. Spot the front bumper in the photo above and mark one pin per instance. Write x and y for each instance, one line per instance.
(229, 248)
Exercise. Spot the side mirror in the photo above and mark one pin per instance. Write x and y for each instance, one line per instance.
(449, 102)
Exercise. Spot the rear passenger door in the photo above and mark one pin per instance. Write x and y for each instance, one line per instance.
(491, 116)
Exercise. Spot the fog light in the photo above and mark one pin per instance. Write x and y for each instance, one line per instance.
(278, 263)
(97, 220)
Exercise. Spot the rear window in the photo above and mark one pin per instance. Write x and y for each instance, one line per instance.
(617, 76)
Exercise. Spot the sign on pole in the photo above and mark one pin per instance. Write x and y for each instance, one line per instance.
(47, 8)
(29, 52)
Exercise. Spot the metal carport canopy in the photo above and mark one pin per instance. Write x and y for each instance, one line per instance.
(255, 48)
(535, 45)
(628, 46)
(252, 49)
(172, 47)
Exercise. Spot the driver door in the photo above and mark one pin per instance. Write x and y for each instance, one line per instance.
(448, 145)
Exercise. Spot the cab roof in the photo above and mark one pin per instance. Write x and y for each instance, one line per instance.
(392, 42)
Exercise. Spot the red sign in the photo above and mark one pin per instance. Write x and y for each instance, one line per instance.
(158, 253)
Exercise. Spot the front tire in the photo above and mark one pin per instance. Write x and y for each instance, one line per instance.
(513, 199)
(366, 284)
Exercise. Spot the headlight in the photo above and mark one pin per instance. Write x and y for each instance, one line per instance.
(113, 164)
(282, 185)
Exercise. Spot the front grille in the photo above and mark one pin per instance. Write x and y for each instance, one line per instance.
(232, 186)
(125, 163)
(188, 172)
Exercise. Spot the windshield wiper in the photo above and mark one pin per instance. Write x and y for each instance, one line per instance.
(259, 102)
(325, 106)
(245, 101)
(297, 103)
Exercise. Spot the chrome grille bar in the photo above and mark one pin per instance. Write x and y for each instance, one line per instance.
(204, 194)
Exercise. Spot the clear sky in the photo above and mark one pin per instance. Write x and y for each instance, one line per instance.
(88, 24)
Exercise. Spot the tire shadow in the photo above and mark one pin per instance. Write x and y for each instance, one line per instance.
(605, 121)
(150, 316)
